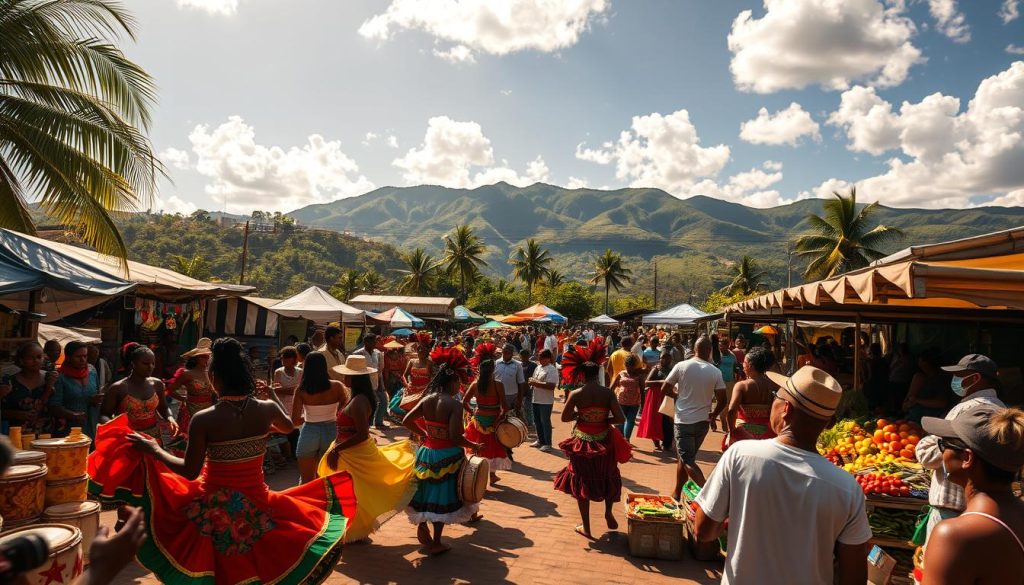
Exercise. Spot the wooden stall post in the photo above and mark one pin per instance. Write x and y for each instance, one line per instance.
(856, 354)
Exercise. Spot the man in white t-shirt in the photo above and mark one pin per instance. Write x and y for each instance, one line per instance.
(543, 381)
(551, 342)
(794, 517)
(694, 384)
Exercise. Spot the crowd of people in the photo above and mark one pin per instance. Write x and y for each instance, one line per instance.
(197, 468)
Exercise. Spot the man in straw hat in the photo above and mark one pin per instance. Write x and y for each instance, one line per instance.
(974, 381)
(794, 517)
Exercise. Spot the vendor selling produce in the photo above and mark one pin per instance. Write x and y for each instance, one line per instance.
(974, 379)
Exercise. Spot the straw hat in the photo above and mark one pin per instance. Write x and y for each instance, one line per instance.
(203, 347)
(355, 365)
(811, 390)
(393, 345)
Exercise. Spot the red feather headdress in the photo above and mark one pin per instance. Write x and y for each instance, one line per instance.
(483, 351)
(454, 359)
(598, 351)
(572, 363)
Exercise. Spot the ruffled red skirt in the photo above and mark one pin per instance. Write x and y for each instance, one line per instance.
(226, 527)
(593, 469)
(481, 430)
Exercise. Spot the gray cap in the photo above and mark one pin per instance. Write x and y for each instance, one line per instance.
(975, 362)
(971, 427)
(508, 347)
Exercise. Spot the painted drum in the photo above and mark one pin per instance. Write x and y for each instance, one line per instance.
(82, 515)
(66, 457)
(30, 458)
(67, 490)
(65, 563)
(22, 492)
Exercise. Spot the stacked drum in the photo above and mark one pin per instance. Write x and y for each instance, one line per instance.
(66, 463)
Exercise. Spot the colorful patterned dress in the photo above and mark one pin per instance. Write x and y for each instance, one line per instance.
(199, 396)
(753, 421)
(227, 526)
(594, 449)
(383, 478)
(406, 398)
(438, 463)
(481, 430)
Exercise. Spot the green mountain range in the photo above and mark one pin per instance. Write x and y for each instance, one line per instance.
(694, 241)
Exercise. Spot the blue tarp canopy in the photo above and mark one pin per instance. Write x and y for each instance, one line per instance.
(464, 315)
(26, 265)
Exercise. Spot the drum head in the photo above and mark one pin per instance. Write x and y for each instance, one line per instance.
(23, 471)
(65, 442)
(72, 509)
(60, 537)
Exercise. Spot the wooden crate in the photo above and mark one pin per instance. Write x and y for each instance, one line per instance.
(660, 538)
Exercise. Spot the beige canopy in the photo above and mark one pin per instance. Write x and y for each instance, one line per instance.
(980, 275)
(419, 306)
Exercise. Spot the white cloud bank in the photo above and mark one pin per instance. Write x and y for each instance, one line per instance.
(177, 158)
(948, 155)
(219, 7)
(248, 175)
(783, 127)
(831, 43)
(497, 27)
(949, 20)
(457, 154)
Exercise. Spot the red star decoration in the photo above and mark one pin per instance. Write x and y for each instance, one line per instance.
(79, 566)
(55, 574)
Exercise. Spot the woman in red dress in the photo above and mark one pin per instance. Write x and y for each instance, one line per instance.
(654, 425)
(490, 408)
(417, 375)
(195, 380)
(210, 517)
(594, 449)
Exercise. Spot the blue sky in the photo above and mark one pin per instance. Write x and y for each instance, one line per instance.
(275, 105)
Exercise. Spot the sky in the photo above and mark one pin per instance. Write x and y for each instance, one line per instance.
(274, 104)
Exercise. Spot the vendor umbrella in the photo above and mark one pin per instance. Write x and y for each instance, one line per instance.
(398, 317)
(464, 315)
(405, 332)
(766, 330)
(493, 325)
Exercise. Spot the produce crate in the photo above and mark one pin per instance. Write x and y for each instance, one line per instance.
(654, 538)
(703, 551)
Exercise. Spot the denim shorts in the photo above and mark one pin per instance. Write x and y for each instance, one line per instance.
(315, 439)
(689, 437)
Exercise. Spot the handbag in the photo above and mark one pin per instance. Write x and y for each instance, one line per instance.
(668, 406)
(921, 530)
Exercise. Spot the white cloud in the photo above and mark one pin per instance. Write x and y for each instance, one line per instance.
(1009, 11)
(577, 183)
(173, 204)
(457, 154)
(392, 141)
(783, 127)
(389, 139)
(497, 27)
(222, 7)
(178, 159)
(831, 43)
(949, 20)
(660, 151)
(826, 189)
(249, 175)
(946, 156)
(1014, 49)
(750, 187)
(1011, 199)
(456, 54)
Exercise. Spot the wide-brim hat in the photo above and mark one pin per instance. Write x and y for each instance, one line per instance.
(355, 365)
(811, 390)
(393, 345)
(203, 347)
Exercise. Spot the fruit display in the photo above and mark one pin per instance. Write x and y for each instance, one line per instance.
(880, 453)
(653, 508)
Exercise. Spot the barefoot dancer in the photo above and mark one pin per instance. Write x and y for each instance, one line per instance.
(439, 459)
(594, 449)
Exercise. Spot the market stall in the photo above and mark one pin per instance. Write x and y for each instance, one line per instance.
(423, 307)
(464, 315)
(603, 320)
(682, 315)
(538, 313)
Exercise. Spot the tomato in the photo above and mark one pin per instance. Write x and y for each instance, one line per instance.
(904, 491)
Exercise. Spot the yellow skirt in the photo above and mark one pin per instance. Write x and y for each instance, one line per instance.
(383, 478)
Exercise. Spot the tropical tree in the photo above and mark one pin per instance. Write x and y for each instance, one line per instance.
(463, 254)
(554, 278)
(746, 277)
(843, 238)
(195, 267)
(420, 273)
(372, 283)
(347, 285)
(530, 264)
(73, 110)
(608, 269)
(503, 286)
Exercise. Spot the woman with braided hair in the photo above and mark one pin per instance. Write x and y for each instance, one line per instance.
(490, 409)
(440, 458)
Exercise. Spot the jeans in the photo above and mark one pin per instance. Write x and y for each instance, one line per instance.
(630, 414)
(382, 407)
(528, 411)
(542, 418)
(315, 439)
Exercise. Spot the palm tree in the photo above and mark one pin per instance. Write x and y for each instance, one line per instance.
(372, 283)
(73, 110)
(608, 268)
(554, 278)
(420, 272)
(746, 277)
(842, 239)
(463, 254)
(530, 264)
(347, 285)
(503, 286)
(195, 267)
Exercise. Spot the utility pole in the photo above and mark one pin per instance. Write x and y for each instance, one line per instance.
(655, 285)
(789, 264)
(245, 253)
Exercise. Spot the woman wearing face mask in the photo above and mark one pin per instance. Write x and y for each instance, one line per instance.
(982, 452)
(975, 379)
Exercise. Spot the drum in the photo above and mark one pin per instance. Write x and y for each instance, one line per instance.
(30, 458)
(511, 432)
(473, 479)
(65, 562)
(22, 492)
(66, 458)
(67, 490)
(84, 516)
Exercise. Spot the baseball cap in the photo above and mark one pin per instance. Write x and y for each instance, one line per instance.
(975, 362)
(972, 427)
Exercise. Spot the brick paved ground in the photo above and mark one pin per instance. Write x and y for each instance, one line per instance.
(526, 535)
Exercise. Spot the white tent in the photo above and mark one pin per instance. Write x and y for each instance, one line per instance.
(603, 320)
(683, 314)
(63, 335)
(318, 306)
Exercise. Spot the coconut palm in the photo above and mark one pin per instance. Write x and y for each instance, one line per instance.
(347, 285)
(746, 277)
(503, 286)
(843, 239)
(530, 264)
(420, 272)
(463, 254)
(609, 270)
(73, 110)
(196, 267)
(372, 283)
(554, 278)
